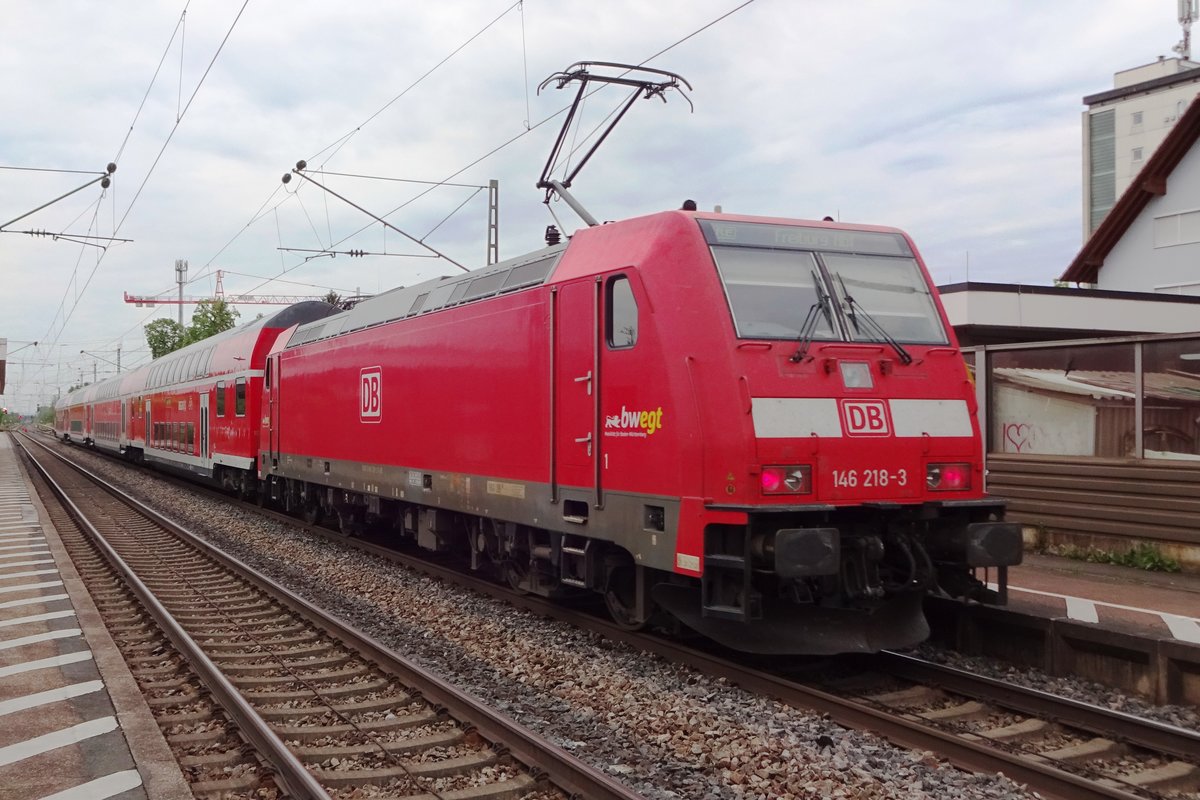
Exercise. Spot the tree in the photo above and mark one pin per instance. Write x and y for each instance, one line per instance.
(165, 336)
(333, 298)
(210, 318)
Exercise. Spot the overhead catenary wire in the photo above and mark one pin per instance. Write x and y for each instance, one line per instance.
(525, 64)
(451, 214)
(527, 128)
(49, 169)
(137, 115)
(181, 114)
(340, 142)
(179, 117)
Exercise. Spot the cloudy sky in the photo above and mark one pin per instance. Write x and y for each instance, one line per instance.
(956, 121)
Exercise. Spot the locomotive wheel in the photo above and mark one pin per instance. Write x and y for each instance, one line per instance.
(514, 576)
(349, 526)
(620, 597)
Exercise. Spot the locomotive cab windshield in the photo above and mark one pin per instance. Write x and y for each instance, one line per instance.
(772, 273)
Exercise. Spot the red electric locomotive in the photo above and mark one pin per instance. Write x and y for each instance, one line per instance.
(762, 428)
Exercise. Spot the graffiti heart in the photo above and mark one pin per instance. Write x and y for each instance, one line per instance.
(1016, 436)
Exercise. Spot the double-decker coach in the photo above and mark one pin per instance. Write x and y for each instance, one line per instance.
(195, 410)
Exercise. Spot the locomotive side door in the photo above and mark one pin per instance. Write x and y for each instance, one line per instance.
(576, 392)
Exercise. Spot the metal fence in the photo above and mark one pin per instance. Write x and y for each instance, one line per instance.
(1096, 442)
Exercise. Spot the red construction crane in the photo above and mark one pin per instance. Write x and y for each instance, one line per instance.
(219, 294)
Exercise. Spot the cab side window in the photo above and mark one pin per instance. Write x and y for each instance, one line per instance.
(621, 323)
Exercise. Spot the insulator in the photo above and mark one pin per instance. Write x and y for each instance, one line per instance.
(553, 236)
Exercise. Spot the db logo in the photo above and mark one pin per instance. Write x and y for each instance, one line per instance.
(865, 418)
(370, 395)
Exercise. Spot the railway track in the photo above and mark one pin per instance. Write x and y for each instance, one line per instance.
(1057, 747)
(1113, 750)
(227, 658)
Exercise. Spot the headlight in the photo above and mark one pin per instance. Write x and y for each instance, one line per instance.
(786, 480)
(948, 477)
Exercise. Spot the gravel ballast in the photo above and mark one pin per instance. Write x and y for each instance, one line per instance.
(663, 729)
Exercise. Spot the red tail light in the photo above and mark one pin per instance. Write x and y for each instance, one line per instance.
(948, 477)
(786, 480)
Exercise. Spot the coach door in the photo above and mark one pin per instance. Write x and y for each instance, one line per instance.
(273, 410)
(205, 452)
(148, 440)
(576, 396)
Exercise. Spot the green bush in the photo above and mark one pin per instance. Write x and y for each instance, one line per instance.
(1142, 555)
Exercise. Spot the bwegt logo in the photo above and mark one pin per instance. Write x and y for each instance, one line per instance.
(370, 394)
(865, 418)
(633, 423)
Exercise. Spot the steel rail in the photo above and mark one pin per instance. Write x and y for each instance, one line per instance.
(290, 773)
(975, 756)
(1040, 775)
(561, 768)
(1109, 723)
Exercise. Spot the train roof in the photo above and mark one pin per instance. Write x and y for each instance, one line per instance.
(522, 272)
(195, 360)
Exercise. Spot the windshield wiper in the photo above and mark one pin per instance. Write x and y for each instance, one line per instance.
(815, 311)
(869, 325)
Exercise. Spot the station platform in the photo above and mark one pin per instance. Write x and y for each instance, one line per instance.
(1122, 599)
(73, 723)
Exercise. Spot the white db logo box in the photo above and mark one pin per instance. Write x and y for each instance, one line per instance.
(865, 418)
(370, 395)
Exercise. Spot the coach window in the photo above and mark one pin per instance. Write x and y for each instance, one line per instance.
(622, 319)
(220, 398)
(239, 400)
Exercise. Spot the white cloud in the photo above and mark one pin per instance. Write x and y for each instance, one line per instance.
(955, 121)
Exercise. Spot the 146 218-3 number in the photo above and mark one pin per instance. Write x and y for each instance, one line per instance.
(869, 478)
